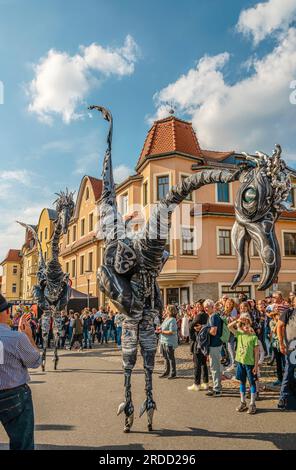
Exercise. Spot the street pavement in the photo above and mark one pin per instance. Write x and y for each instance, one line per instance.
(75, 408)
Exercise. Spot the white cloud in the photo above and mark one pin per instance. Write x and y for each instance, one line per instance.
(62, 81)
(265, 18)
(121, 172)
(9, 177)
(250, 114)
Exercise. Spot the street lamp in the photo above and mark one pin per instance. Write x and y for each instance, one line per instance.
(88, 276)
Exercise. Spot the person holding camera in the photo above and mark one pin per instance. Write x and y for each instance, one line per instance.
(18, 352)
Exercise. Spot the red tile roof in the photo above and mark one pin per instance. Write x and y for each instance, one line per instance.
(96, 186)
(12, 256)
(170, 135)
(175, 135)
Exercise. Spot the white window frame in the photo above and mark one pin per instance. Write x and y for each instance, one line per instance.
(142, 192)
(92, 253)
(84, 232)
(220, 284)
(283, 244)
(93, 222)
(73, 276)
(230, 195)
(122, 197)
(75, 225)
(181, 243)
(219, 227)
(155, 177)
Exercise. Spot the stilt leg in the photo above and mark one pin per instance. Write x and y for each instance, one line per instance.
(129, 356)
(45, 326)
(148, 344)
(57, 332)
(43, 359)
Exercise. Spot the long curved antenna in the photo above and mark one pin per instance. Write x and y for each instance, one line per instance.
(111, 222)
(35, 235)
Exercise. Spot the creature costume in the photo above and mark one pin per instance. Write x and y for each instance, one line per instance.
(52, 291)
(131, 266)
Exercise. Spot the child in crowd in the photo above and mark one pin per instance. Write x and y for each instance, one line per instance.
(247, 358)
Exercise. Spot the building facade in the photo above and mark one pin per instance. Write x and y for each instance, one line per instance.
(81, 251)
(11, 277)
(202, 261)
(29, 266)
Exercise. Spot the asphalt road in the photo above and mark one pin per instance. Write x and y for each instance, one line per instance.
(75, 407)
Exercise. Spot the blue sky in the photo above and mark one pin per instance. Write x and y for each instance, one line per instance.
(216, 59)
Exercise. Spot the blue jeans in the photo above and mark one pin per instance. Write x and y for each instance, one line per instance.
(288, 380)
(17, 417)
(118, 335)
(87, 339)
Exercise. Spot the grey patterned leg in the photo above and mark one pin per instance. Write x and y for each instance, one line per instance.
(57, 334)
(148, 343)
(45, 326)
(129, 356)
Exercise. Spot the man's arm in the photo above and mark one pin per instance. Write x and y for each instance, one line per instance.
(233, 327)
(281, 335)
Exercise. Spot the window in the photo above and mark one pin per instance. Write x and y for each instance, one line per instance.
(45, 255)
(172, 296)
(233, 293)
(124, 204)
(82, 227)
(45, 233)
(14, 288)
(41, 236)
(68, 237)
(162, 186)
(90, 222)
(73, 268)
(187, 241)
(145, 193)
(184, 295)
(87, 194)
(14, 270)
(67, 267)
(291, 197)
(81, 264)
(225, 247)
(74, 233)
(189, 197)
(223, 194)
(290, 244)
(90, 261)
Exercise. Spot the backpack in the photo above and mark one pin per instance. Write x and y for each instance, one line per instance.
(203, 340)
(225, 334)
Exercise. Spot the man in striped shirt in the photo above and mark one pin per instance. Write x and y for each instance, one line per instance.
(18, 352)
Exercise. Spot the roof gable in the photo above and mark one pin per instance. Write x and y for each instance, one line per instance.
(170, 135)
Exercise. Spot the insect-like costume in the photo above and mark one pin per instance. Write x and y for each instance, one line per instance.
(261, 198)
(52, 291)
(131, 266)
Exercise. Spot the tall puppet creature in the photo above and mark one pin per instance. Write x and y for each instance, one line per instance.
(130, 269)
(51, 292)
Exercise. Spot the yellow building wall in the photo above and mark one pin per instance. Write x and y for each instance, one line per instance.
(87, 244)
(10, 279)
(29, 271)
(45, 232)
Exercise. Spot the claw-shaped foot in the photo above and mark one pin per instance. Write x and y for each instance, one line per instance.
(149, 406)
(128, 409)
